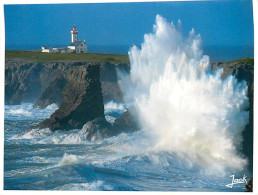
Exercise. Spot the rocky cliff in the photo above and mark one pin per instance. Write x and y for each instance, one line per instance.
(82, 99)
(43, 83)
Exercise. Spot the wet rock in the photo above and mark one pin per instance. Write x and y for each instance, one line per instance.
(22, 82)
(98, 128)
(27, 81)
(82, 99)
(249, 185)
(52, 94)
(108, 78)
(128, 122)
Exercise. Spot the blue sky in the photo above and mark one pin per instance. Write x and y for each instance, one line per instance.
(228, 23)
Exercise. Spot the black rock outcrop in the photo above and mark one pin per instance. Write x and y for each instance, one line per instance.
(98, 128)
(82, 99)
(128, 122)
(249, 185)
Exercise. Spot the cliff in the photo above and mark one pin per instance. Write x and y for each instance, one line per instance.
(43, 83)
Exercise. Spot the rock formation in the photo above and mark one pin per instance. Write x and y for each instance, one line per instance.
(98, 128)
(249, 185)
(27, 81)
(82, 99)
(108, 79)
(52, 94)
(128, 122)
(22, 82)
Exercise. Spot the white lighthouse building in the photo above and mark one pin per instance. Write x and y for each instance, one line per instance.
(76, 46)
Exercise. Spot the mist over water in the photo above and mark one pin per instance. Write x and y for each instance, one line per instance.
(185, 107)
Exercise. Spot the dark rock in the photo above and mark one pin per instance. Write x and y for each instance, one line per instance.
(82, 100)
(22, 82)
(128, 122)
(26, 81)
(108, 78)
(52, 94)
(108, 73)
(249, 185)
(98, 128)
(111, 92)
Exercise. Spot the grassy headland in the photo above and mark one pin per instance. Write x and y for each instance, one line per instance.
(38, 56)
(245, 60)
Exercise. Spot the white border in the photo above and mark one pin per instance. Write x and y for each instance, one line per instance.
(2, 63)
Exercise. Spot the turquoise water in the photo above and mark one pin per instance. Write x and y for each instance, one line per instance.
(43, 160)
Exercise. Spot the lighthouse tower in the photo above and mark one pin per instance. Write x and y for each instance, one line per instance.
(74, 34)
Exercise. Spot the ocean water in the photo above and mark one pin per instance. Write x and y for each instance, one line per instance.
(65, 160)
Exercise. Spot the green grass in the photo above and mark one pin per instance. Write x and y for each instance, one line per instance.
(245, 60)
(38, 56)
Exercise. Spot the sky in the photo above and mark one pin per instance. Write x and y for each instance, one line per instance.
(227, 24)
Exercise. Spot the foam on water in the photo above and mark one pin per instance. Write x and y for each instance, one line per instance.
(93, 186)
(19, 112)
(25, 111)
(185, 107)
(33, 133)
(113, 106)
(110, 119)
(113, 110)
(68, 159)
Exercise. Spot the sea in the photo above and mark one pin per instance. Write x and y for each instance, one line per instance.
(66, 160)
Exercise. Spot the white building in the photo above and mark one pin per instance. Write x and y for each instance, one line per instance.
(76, 46)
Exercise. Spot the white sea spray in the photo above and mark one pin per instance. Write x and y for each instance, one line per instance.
(185, 107)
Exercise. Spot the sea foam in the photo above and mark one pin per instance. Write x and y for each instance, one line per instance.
(93, 186)
(68, 159)
(33, 133)
(185, 107)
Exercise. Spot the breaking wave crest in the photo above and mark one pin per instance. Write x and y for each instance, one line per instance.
(68, 159)
(185, 107)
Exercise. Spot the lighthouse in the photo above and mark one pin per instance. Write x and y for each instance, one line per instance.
(76, 46)
(74, 34)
